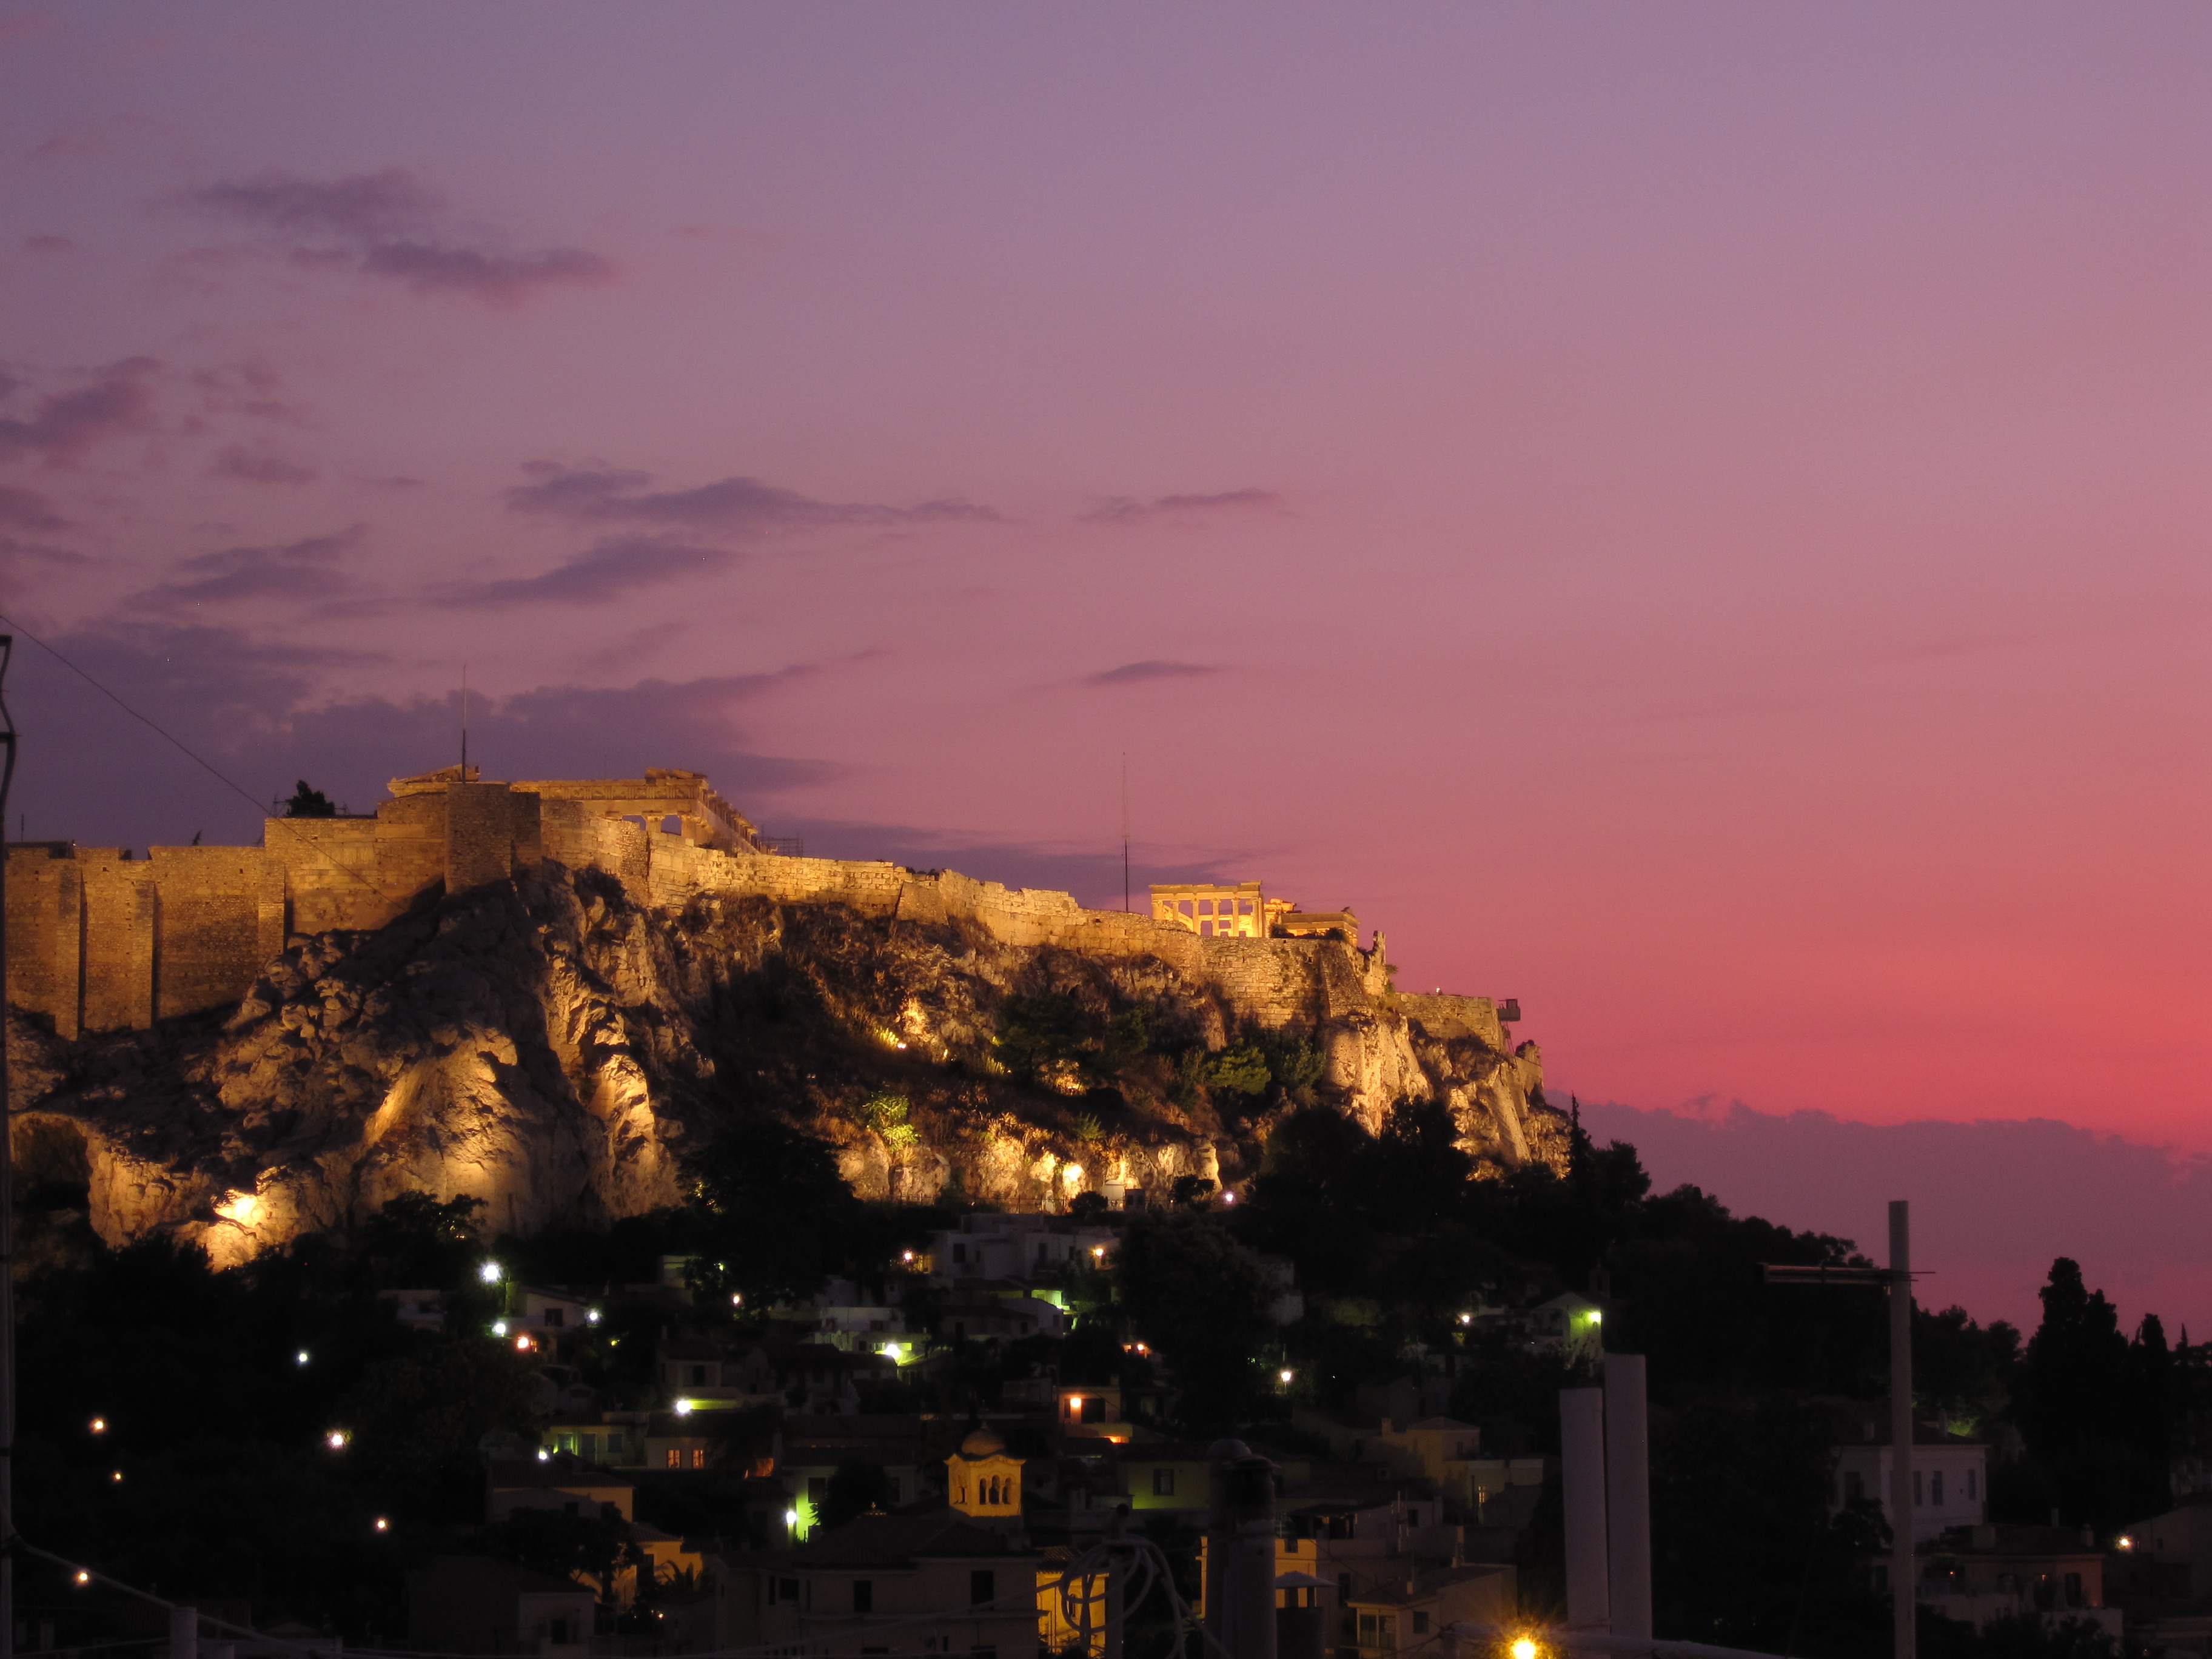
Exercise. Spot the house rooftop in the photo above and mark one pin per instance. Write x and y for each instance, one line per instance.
(2020, 1541)
(876, 1540)
(525, 1579)
(562, 1470)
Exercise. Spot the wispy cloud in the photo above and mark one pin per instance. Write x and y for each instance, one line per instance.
(1127, 509)
(389, 224)
(307, 569)
(607, 571)
(1141, 673)
(261, 467)
(65, 424)
(26, 509)
(735, 506)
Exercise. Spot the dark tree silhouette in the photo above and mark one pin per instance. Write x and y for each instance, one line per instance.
(306, 802)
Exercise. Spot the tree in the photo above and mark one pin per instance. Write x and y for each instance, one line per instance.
(1201, 1298)
(416, 1421)
(855, 1489)
(596, 1546)
(305, 802)
(772, 1197)
(2076, 1374)
(1965, 1373)
(415, 1240)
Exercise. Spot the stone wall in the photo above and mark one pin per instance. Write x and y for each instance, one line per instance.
(100, 941)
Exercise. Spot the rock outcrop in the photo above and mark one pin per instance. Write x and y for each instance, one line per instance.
(554, 1040)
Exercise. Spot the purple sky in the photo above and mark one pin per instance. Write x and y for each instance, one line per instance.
(1692, 516)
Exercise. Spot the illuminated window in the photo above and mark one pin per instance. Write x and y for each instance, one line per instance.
(698, 1457)
(675, 1458)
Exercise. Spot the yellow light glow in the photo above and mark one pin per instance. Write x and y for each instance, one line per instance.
(100, 1425)
(335, 1440)
(383, 1525)
(1074, 1172)
(1284, 1378)
(240, 1207)
(83, 1577)
(906, 1256)
(2127, 1543)
(893, 1353)
(1596, 1318)
(117, 1476)
(1524, 1649)
(1097, 1251)
(522, 1344)
(684, 1408)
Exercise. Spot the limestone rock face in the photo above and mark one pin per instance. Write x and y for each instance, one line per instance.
(552, 1043)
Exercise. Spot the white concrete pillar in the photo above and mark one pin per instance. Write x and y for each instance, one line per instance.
(1581, 1482)
(1627, 1497)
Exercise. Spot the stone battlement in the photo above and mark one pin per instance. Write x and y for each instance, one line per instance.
(98, 940)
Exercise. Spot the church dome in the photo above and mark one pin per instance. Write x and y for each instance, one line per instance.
(980, 1443)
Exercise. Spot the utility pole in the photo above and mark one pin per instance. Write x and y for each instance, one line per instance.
(1897, 1278)
(7, 1204)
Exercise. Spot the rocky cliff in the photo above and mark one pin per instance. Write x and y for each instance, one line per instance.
(553, 1042)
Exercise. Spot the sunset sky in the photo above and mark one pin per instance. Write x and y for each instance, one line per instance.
(1692, 515)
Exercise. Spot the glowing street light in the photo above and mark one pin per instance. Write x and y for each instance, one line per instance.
(684, 1408)
(83, 1576)
(791, 1518)
(300, 1358)
(1524, 1649)
(499, 1328)
(117, 1476)
(100, 1425)
(336, 1439)
(1284, 1378)
(383, 1525)
(489, 1273)
(523, 1344)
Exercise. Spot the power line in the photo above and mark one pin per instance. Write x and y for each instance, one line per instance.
(198, 759)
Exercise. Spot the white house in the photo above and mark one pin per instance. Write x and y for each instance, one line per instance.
(1950, 1475)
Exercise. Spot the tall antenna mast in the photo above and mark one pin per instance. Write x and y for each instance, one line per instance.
(465, 722)
(1125, 831)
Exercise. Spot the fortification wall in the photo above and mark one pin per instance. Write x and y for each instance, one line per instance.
(100, 941)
